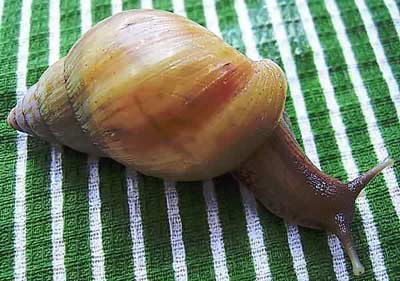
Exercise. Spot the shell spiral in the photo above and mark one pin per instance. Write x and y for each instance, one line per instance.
(157, 93)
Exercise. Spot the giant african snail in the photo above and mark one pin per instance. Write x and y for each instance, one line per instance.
(161, 94)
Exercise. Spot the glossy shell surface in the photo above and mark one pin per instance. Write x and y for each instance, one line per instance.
(165, 96)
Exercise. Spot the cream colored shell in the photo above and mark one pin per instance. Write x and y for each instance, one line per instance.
(160, 94)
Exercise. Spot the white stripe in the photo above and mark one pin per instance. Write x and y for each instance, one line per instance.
(146, 4)
(20, 209)
(216, 238)
(339, 264)
(294, 238)
(54, 31)
(56, 174)
(20, 166)
(116, 6)
(135, 222)
(179, 7)
(394, 13)
(247, 32)
(374, 245)
(254, 229)
(175, 228)
(57, 220)
(1, 11)
(381, 59)
(339, 260)
(210, 14)
(86, 16)
(256, 236)
(96, 244)
(342, 140)
(95, 225)
(296, 249)
(135, 216)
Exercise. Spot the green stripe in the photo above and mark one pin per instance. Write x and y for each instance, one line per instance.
(101, 9)
(38, 221)
(195, 230)
(76, 216)
(195, 11)
(69, 24)
(232, 217)
(262, 30)
(379, 201)
(163, 5)
(155, 229)
(276, 243)
(9, 46)
(75, 177)
(117, 243)
(229, 24)
(131, 4)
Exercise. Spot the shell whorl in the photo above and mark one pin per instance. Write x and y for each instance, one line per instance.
(45, 112)
(161, 94)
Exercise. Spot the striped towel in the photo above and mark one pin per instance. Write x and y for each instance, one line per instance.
(64, 215)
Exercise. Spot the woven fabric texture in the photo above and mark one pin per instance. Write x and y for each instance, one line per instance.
(68, 216)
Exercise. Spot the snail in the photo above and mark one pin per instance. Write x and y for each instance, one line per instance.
(166, 97)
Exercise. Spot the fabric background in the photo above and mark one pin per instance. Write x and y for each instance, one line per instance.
(64, 215)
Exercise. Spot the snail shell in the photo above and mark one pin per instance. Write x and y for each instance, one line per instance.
(157, 92)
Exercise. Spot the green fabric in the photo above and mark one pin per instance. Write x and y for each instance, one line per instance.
(199, 258)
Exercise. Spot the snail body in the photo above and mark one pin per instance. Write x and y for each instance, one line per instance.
(164, 96)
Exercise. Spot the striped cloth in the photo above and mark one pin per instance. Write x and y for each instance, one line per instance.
(64, 215)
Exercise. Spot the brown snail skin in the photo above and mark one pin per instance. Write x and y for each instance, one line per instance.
(164, 96)
(286, 182)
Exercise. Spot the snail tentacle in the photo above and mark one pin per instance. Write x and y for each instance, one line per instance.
(359, 183)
